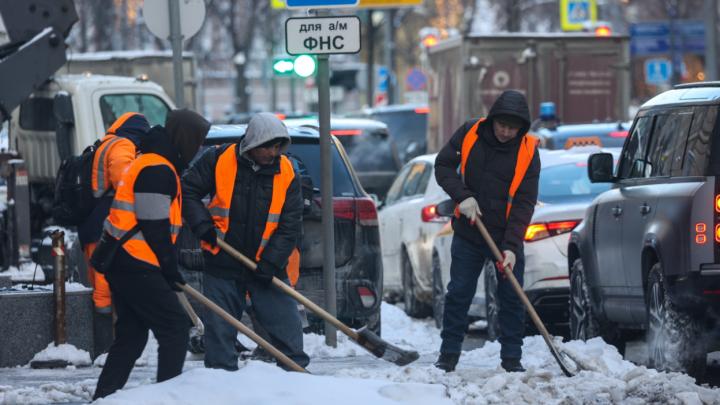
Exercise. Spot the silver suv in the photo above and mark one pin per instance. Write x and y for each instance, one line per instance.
(646, 257)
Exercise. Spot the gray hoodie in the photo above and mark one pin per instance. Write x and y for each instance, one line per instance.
(264, 127)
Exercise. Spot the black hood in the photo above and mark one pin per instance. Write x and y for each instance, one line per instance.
(158, 141)
(514, 103)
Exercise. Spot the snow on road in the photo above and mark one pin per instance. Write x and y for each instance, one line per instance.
(348, 375)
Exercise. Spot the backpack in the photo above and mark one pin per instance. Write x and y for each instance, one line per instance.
(73, 201)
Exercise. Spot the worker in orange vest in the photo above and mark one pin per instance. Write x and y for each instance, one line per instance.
(115, 153)
(490, 168)
(144, 221)
(256, 206)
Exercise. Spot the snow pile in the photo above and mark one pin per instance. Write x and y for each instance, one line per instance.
(408, 333)
(480, 380)
(26, 272)
(52, 392)
(67, 352)
(260, 383)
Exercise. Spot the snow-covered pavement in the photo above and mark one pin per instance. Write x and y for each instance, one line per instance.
(348, 375)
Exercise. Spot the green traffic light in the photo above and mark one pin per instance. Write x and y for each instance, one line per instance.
(283, 66)
(304, 66)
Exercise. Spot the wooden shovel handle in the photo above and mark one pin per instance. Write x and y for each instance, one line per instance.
(290, 291)
(242, 328)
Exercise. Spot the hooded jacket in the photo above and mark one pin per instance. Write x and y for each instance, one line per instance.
(119, 156)
(489, 173)
(252, 193)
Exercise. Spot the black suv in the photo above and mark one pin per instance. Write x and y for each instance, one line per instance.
(407, 124)
(357, 239)
(647, 255)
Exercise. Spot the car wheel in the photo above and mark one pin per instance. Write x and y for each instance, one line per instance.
(583, 322)
(438, 292)
(674, 336)
(413, 307)
(492, 304)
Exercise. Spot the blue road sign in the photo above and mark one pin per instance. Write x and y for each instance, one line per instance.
(652, 38)
(657, 71)
(578, 12)
(415, 80)
(383, 79)
(321, 3)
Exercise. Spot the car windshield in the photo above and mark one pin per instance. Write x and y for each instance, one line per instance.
(408, 128)
(369, 150)
(568, 183)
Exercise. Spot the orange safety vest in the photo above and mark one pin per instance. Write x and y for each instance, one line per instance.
(524, 158)
(122, 212)
(100, 180)
(219, 207)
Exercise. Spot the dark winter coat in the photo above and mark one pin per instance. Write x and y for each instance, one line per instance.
(488, 175)
(249, 208)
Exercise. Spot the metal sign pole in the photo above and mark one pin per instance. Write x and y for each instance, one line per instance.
(176, 39)
(327, 197)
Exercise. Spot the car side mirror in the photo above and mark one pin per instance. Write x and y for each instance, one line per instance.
(600, 168)
(64, 124)
(445, 208)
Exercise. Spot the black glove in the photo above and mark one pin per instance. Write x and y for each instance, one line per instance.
(264, 273)
(210, 237)
(173, 277)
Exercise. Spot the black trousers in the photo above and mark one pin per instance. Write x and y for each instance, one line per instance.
(143, 301)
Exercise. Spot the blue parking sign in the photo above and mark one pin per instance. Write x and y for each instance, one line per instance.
(657, 71)
(321, 3)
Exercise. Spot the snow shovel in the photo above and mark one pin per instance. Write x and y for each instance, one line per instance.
(199, 326)
(528, 306)
(242, 328)
(363, 337)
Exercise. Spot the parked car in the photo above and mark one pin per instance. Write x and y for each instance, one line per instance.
(407, 124)
(646, 257)
(357, 239)
(408, 223)
(607, 135)
(564, 193)
(371, 150)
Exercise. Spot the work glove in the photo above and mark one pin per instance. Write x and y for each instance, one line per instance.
(470, 208)
(210, 237)
(172, 277)
(264, 273)
(508, 261)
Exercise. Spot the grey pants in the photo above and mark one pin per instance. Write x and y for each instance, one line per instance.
(275, 310)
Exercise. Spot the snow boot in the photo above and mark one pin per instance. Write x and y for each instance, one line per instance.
(512, 365)
(447, 361)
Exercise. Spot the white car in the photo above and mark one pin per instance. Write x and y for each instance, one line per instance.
(408, 225)
(564, 194)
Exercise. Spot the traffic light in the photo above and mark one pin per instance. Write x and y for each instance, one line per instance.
(283, 66)
(603, 31)
(429, 37)
(302, 66)
(430, 40)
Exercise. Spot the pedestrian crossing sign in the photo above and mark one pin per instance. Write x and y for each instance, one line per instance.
(575, 15)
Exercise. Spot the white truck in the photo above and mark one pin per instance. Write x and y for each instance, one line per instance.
(52, 116)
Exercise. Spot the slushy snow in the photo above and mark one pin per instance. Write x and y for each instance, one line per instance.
(348, 375)
(66, 352)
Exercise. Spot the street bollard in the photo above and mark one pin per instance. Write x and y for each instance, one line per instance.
(58, 251)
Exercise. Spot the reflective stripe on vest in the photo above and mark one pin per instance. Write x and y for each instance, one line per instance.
(524, 158)
(122, 211)
(219, 207)
(100, 180)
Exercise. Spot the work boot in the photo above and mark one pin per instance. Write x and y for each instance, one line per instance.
(447, 361)
(512, 365)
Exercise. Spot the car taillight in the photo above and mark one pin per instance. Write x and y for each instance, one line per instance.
(717, 203)
(367, 212)
(618, 134)
(700, 237)
(346, 132)
(422, 110)
(366, 297)
(362, 209)
(542, 230)
(429, 214)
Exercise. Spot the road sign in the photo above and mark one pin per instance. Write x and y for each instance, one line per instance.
(320, 3)
(576, 14)
(192, 15)
(383, 79)
(415, 80)
(322, 35)
(657, 71)
(280, 4)
(651, 38)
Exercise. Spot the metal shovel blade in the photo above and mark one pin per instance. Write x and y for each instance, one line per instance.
(384, 350)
